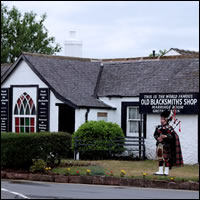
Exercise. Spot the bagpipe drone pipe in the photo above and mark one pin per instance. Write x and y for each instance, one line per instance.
(173, 121)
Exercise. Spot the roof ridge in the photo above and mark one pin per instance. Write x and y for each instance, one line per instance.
(146, 58)
(185, 50)
(158, 58)
(60, 57)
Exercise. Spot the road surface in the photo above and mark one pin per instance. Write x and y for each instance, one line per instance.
(23, 189)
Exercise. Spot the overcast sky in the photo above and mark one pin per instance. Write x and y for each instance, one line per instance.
(120, 29)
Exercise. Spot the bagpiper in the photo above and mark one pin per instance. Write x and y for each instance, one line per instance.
(168, 149)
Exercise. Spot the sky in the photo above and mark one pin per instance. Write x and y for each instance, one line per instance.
(119, 29)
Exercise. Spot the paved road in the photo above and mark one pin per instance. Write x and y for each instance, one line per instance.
(45, 190)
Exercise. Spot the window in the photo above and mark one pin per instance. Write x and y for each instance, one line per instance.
(102, 116)
(25, 114)
(134, 120)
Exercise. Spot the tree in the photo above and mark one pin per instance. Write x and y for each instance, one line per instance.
(161, 53)
(24, 34)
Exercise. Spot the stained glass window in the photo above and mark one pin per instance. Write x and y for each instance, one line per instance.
(25, 114)
(24, 105)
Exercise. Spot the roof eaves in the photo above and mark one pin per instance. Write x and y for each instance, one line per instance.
(99, 107)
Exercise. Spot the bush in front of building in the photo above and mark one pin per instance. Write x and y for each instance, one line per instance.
(39, 165)
(18, 150)
(98, 139)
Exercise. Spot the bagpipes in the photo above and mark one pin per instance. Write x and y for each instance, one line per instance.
(173, 121)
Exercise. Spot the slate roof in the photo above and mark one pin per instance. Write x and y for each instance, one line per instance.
(72, 81)
(4, 68)
(156, 76)
(78, 81)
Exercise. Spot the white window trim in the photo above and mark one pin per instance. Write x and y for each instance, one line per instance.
(132, 120)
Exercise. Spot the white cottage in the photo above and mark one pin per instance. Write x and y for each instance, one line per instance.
(56, 93)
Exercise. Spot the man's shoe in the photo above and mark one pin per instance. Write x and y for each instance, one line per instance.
(166, 173)
(160, 171)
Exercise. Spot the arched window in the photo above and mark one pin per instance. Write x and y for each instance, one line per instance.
(25, 114)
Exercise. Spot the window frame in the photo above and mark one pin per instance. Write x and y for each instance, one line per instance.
(124, 106)
(102, 116)
(129, 120)
(17, 116)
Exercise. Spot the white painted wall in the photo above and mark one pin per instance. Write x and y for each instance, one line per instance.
(79, 117)
(116, 102)
(172, 53)
(188, 137)
(23, 75)
(113, 115)
(92, 116)
(53, 112)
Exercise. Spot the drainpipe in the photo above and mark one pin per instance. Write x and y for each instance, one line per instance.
(86, 114)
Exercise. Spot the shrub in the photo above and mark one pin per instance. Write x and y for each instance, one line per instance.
(101, 137)
(38, 165)
(18, 150)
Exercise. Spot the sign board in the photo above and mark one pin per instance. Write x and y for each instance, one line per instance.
(185, 103)
(43, 109)
(4, 109)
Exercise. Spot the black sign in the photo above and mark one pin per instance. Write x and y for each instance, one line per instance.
(43, 109)
(185, 103)
(4, 109)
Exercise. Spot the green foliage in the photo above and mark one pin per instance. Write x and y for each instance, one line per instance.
(97, 170)
(23, 34)
(18, 150)
(100, 138)
(38, 165)
(161, 53)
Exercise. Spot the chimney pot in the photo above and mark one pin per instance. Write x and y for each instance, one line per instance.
(72, 34)
(154, 53)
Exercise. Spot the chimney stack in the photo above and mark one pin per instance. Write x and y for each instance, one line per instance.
(73, 46)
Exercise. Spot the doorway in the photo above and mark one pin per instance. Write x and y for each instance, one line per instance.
(66, 119)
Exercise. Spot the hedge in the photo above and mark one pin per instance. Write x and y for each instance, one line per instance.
(102, 136)
(19, 149)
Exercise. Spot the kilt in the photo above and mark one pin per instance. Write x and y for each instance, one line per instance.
(163, 152)
(167, 152)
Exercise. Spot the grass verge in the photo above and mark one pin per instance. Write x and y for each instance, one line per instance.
(133, 169)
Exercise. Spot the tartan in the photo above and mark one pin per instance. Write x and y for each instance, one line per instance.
(167, 152)
(171, 147)
(177, 158)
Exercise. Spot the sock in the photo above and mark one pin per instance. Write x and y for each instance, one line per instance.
(160, 163)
